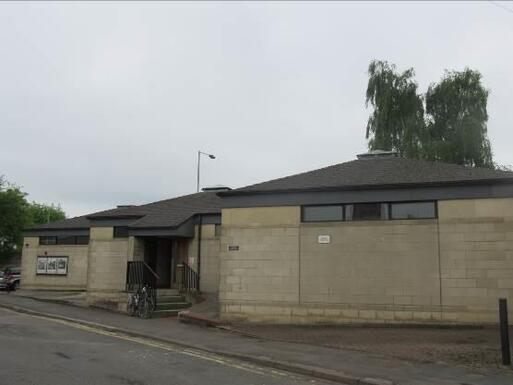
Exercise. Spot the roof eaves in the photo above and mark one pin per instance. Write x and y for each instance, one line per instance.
(368, 187)
(42, 229)
(127, 216)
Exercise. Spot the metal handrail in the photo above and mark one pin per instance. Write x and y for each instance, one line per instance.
(189, 283)
(139, 274)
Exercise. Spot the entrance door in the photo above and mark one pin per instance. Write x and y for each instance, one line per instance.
(158, 255)
(164, 256)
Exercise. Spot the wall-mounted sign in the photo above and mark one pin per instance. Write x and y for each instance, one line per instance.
(233, 248)
(324, 239)
(52, 265)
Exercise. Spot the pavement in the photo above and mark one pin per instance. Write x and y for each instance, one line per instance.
(345, 366)
(75, 298)
(34, 350)
(472, 347)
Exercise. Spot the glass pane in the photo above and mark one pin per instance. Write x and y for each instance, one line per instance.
(82, 239)
(366, 211)
(66, 240)
(47, 240)
(413, 210)
(120, 231)
(323, 213)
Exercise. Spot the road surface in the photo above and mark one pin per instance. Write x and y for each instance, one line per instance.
(37, 350)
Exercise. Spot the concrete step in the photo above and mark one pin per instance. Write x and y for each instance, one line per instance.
(170, 298)
(172, 305)
(165, 313)
(167, 292)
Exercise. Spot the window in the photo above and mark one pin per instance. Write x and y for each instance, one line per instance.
(366, 211)
(323, 213)
(413, 210)
(120, 231)
(47, 240)
(65, 240)
(82, 239)
(374, 211)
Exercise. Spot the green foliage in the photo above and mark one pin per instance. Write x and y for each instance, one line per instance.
(13, 218)
(457, 130)
(450, 128)
(41, 213)
(398, 116)
(17, 214)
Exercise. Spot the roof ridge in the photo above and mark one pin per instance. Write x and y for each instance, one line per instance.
(296, 175)
(376, 172)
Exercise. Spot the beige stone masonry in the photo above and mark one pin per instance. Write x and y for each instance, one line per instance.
(108, 257)
(451, 270)
(262, 216)
(76, 279)
(477, 255)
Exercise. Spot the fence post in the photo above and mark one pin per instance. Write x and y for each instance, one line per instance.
(503, 320)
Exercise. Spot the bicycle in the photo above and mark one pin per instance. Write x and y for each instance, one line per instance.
(141, 303)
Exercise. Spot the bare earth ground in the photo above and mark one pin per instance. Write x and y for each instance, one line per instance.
(472, 347)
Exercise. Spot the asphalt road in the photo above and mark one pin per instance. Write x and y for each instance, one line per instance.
(39, 351)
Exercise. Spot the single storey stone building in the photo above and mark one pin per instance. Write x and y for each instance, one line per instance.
(377, 239)
(92, 252)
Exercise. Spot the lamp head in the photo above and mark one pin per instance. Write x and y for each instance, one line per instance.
(211, 156)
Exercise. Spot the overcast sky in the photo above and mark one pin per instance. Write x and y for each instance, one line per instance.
(107, 103)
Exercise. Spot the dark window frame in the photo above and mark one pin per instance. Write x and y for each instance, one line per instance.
(388, 217)
(83, 237)
(46, 243)
(57, 243)
(117, 229)
(66, 240)
(381, 205)
(326, 220)
(435, 203)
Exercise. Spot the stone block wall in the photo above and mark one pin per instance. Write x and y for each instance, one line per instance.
(107, 261)
(451, 269)
(209, 259)
(76, 279)
(372, 265)
(476, 250)
(259, 260)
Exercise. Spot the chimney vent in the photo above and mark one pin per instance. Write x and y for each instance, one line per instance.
(217, 187)
(378, 154)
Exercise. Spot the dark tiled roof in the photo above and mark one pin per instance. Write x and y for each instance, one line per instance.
(71, 223)
(166, 213)
(169, 212)
(375, 172)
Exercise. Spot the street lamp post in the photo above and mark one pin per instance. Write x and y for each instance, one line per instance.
(198, 171)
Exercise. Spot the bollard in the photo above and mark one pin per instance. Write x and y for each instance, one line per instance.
(503, 320)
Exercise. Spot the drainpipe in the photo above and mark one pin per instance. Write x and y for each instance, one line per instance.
(199, 252)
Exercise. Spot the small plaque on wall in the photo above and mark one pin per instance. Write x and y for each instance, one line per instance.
(233, 248)
(324, 239)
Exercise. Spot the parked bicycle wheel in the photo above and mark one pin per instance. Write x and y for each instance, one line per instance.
(132, 304)
(145, 307)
